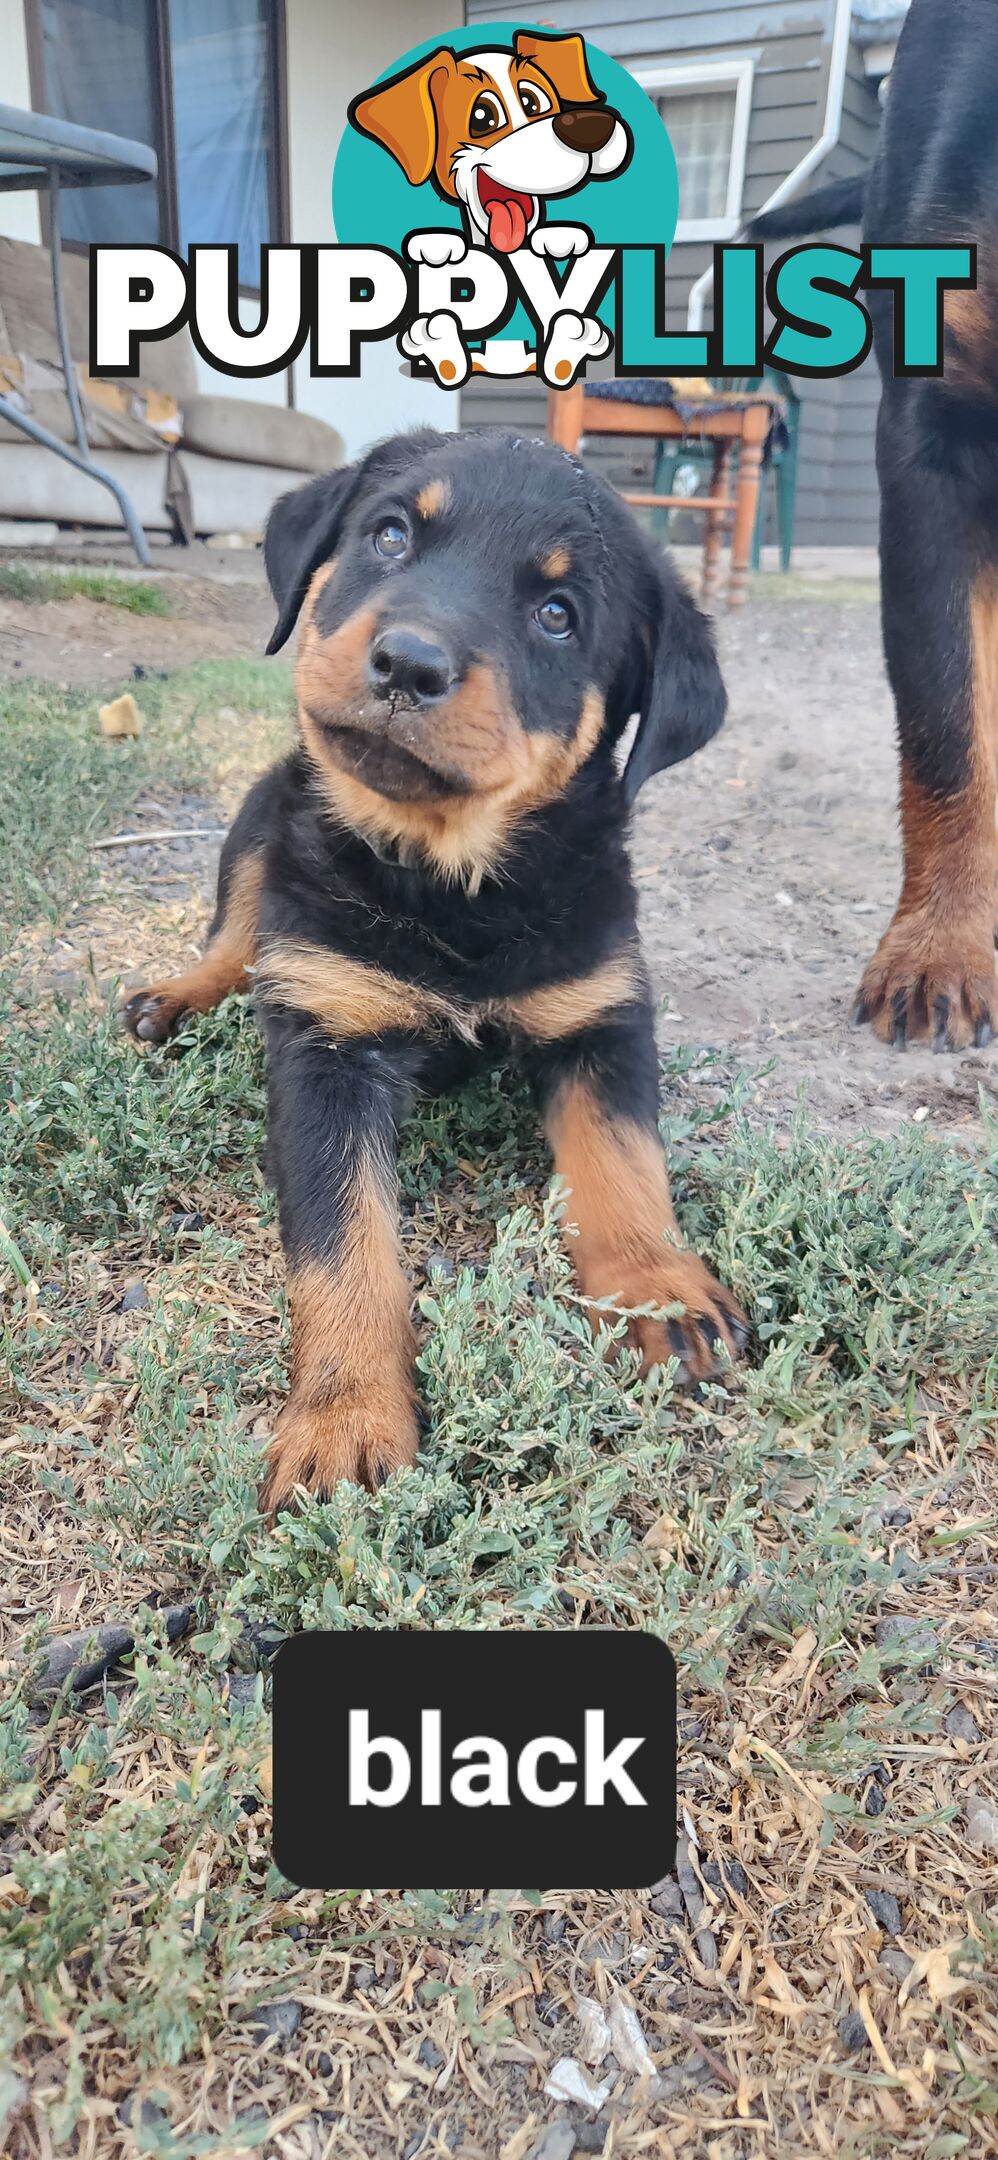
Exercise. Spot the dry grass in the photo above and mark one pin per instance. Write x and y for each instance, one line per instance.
(827, 1768)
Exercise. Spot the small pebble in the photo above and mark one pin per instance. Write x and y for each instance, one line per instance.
(886, 1910)
(430, 2056)
(364, 1979)
(897, 1963)
(912, 1638)
(554, 1926)
(282, 2018)
(324, 2065)
(181, 1221)
(151, 2116)
(982, 1824)
(853, 2033)
(136, 1298)
(590, 2137)
(961, 1725)
(557, 2142)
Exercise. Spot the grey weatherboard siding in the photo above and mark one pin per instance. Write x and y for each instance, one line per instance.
(790, 43)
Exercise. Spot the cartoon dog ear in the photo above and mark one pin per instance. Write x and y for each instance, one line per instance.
(402, 116)
(563, 60)
(303, 528)
(682, 698)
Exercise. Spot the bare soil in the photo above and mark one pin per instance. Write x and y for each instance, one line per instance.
(767, 866)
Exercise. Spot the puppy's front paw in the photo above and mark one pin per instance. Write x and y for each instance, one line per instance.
(436, 248)
(560, 241)
(930, 980)
(437, 340)
(572, 340)
(711, 1324)
(361, 1439)
(155, 1014)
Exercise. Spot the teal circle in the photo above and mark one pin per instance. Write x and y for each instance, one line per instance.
(375, 205)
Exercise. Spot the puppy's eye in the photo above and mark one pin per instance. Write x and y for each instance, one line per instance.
(391, 538)
(554, 617)
(486, 115)
(534, 101)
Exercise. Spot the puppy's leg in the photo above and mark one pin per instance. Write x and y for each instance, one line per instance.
(334, 1115)
(599, 1094)
(933, 974)
(156, 1012)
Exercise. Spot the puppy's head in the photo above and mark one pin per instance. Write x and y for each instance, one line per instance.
(499, 130)
(479, 615)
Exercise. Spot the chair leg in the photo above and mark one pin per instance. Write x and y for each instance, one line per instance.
(714, 532)
(786, 495)
(747, 501)
(666, 465)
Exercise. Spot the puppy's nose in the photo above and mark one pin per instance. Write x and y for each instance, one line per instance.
(584, 127)
(401, 663)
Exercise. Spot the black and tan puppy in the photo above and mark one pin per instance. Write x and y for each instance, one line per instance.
(935, 182)
(438, 875)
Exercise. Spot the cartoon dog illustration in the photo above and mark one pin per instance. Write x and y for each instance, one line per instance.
(498, 132)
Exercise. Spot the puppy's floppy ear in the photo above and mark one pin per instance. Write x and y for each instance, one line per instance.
(681, 697)
(303, 528)
(301, 532)
(401, 114)
(563, 61)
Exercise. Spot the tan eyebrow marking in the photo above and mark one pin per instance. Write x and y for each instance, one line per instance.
(556, 563)
(434, 498)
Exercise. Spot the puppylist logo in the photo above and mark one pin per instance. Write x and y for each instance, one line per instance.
(505, 202)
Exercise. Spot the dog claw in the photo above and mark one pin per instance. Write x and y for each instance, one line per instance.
(940, 1015)
(860, 1013)
(983, 1034)
(899, 1020)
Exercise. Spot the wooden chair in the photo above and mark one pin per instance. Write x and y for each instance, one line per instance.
(742, 422)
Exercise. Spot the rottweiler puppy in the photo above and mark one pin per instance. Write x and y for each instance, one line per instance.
(935, 182)
(437, 875)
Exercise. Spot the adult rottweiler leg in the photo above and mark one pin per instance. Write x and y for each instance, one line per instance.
(154, 1013)
(599, 1093)
(334, 1115)
(933, 974)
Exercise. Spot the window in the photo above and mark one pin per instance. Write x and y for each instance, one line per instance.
(706, 109)
(197, 79)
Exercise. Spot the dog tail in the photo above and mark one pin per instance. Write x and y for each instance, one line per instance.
(841, 203)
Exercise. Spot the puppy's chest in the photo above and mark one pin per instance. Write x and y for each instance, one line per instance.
(360, 964)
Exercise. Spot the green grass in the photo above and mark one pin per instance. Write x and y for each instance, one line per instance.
(553, 1489)
(21, 581)
(63, 784)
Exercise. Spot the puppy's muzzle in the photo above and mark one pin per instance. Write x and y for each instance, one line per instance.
(585, 129)
(405, 667)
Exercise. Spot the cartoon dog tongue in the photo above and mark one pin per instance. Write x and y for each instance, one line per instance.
(507, 213)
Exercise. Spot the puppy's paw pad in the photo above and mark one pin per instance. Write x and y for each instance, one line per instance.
(152, 1016)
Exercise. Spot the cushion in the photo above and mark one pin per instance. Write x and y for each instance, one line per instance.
(27, 320)
(131, 418)
(258, 434)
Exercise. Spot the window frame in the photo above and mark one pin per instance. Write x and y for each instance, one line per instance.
(658, 77)
(164, 142)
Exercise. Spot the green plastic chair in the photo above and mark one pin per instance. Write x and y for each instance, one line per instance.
(782, 463)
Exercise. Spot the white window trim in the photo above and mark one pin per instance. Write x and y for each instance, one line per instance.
(710, 75)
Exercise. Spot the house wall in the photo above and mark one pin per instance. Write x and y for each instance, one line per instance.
(18, 213)
(790, 43)
(335, 48)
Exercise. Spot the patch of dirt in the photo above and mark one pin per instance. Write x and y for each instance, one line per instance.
(77, 642)
(769, 866)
